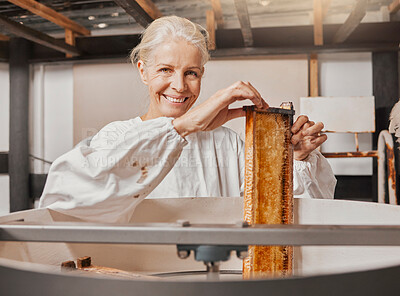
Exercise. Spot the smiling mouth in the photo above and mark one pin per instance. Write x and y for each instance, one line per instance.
(175, 100)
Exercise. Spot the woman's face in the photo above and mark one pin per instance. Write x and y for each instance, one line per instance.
(173, 77)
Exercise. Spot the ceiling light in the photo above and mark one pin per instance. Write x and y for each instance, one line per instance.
(115, 14)
(102, 25)
(264, 2)
(23, 16)
(91, 17)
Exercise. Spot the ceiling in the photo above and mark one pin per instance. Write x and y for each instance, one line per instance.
(247, 27)
(105, 17)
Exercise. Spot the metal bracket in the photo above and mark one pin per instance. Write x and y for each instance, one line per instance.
(211, 256)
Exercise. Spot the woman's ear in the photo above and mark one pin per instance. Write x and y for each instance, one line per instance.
(140, 66)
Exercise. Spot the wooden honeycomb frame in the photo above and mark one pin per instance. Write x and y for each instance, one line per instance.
(268, 192)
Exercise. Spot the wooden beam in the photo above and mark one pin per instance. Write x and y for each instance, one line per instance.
(210, 20)
(136, 11)
(51, 15)
(69, 39)
(93, 54)
(244, 20)
(216, 6)
(150, 8)
(36, 36)
(394, 6)
(351, 23)
(320, 9)
(4, 37)
(313, 75)
(318, 29)
(295, 50)
(325, 7)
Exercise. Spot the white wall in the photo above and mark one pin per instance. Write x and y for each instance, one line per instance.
(277, 81)
(51, 113)
(109, 92)
(104, 93)
(4, 135)
(347, 74)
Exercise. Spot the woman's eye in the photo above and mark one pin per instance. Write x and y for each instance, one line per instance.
(165, 70)
(192, 73)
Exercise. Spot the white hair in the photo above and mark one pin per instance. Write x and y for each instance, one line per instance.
(169, 28)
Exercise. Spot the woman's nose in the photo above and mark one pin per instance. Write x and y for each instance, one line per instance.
(178, 83)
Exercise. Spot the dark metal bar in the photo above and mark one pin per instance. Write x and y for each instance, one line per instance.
(263, 51)
(270, 110)
(385, 83)
(385, 77)
(36, 184)
(4, 51)
(18, 160)
(354, 188)
(3, 162)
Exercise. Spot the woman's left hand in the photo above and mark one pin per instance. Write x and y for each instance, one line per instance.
(306, 137)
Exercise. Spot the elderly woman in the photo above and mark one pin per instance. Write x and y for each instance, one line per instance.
(173, 150)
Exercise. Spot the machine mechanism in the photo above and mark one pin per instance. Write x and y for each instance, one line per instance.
(211, 243)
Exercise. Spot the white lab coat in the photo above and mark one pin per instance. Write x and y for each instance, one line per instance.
(130, 160)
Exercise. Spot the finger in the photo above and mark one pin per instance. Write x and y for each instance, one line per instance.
(238, 92)
(315, 129)
(301, 120)
(296, 138)
(256, 101)
(255, 91)
(264, 103)
(235, 113)
(243, 91)
(307, 125)
(319, 140)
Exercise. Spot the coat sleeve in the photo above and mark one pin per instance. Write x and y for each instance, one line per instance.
(105, 181)
(313, 177)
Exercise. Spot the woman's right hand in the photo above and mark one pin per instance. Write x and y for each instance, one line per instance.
(215, 111)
